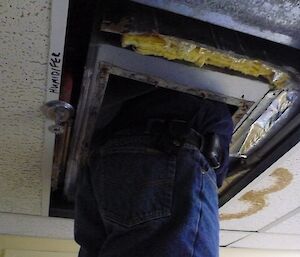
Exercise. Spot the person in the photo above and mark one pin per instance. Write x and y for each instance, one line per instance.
(149, 188)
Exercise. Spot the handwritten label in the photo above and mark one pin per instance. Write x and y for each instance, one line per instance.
(55, 73)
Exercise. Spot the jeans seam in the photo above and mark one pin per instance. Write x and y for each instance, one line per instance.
(199, 218)
(211, 180)
(134, 221)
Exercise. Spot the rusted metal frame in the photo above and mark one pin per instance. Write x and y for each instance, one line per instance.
(91, 98)
(60, 155)
(185, 75)
(243, 105)
(92, 95)
(90, 104)
(155, 81)
(243, 111)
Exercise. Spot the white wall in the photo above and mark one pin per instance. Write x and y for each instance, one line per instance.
(236, 252)
(14, 246)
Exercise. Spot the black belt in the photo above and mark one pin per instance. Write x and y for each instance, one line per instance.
(178, 132)
(174, 133)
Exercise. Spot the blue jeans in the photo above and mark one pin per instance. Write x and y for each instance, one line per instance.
(136, 201)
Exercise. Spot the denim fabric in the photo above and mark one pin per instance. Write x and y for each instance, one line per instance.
(135, 201)
(206, 116)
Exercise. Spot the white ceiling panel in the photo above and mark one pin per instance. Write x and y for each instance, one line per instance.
(228, 237)
(23, 65)
(269, 241)
(272, 195)
(290, 225)
(37, 226)
(243, 252)
(22, 253)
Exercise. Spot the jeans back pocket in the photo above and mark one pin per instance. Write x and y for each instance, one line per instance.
(134, 185)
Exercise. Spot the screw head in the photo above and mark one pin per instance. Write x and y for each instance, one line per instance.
(56, 129)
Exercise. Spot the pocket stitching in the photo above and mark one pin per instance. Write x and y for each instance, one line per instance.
(133, 221)
(150, 215)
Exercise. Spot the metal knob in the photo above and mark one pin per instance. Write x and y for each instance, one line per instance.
(60, 112)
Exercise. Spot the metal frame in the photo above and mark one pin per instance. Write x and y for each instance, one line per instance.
(225, 87)
(59, 15)
(105, 60)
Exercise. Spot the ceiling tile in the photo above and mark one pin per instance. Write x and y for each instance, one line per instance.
(228, 237)
(288, 226)
(272, 195)
(37, 226)
(269, 241)
(24, 53)
(243, 252)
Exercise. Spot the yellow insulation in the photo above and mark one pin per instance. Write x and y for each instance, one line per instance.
(173, 48)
